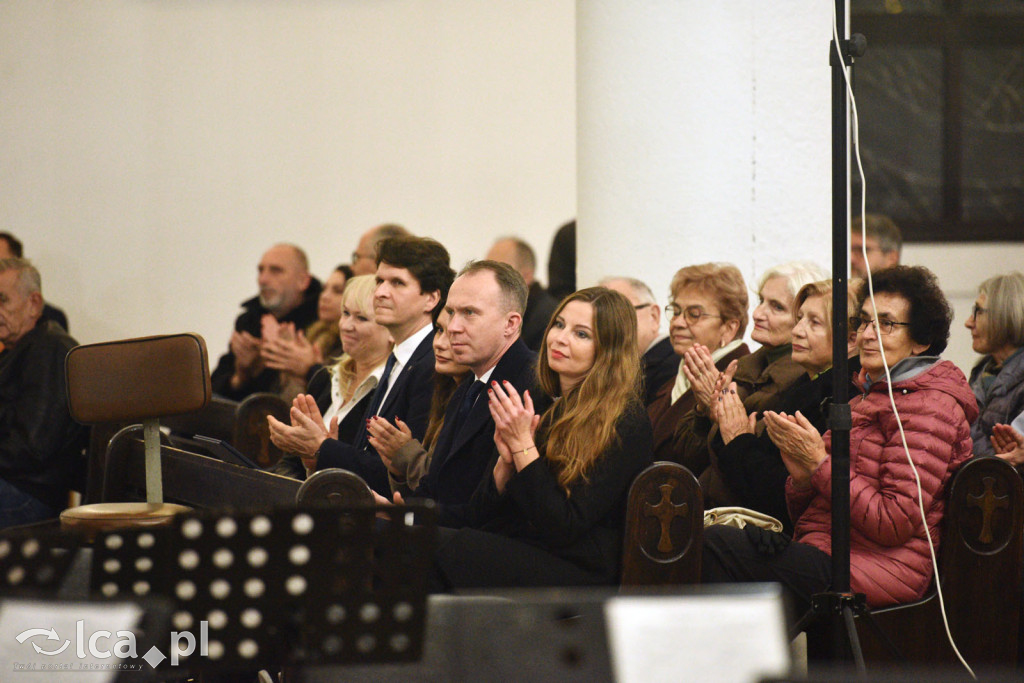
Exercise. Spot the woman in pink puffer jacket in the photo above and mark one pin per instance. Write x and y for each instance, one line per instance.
(889, 557)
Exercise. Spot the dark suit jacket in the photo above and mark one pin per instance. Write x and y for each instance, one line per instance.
(461, 460)
(539, 307)
(409, 399)
(660, 364)
(320, 388)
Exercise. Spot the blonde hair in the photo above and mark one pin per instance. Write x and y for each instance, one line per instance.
(359, 290)
(1005, 309)
(582, 425)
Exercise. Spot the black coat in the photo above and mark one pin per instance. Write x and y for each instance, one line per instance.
(320, 389)
(584, 528)
(40, 445)
(409, 400)
(461, 460)
(539, 307)
(750, 465)
(660, 364)
(302, 316)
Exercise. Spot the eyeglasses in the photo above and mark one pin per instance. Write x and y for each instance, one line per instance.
(693, 314)
(884, 326)
(977, 310)
(356, 256)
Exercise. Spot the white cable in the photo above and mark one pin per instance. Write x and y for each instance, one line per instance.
(885, 364)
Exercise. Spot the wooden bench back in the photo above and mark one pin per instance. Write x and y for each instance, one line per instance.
(664, 527)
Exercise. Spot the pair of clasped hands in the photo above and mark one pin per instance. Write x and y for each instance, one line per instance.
(279, 347)
(515, 423)
(799, 443)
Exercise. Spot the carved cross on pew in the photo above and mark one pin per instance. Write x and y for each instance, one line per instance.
(665, 511)
(988, 501)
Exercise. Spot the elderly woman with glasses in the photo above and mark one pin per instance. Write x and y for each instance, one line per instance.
(997, 332)
(899, 336)
(745, 457)
(760, 376)
(708, 308)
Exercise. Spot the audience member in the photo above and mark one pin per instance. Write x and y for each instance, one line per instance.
(883, 244)
(341, 393)
(40, 445)
(406, 459)
(288, 294)
(485, 304)
(364, 258)
(709, 308)
(413, 277)
(551, 509)
(11, 247)
(744, 456)
(562, 262)
(762, 374)
(997, 332)
(890, 560)
(298, 354)
(539, 304)
(659, 362)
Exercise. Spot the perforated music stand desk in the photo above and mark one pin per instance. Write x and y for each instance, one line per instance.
(283, 588)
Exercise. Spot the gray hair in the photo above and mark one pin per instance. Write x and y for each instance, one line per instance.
(639, 288)
(1005, 308)
(796, 274)
(29, 280)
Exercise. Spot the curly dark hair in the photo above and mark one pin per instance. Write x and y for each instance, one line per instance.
(426, 259)
(930, 313)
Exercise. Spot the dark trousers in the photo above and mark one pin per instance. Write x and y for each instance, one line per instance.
(731, 555)
(468, 558)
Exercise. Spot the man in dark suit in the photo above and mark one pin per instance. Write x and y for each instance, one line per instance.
(658, 360)
(486, 305)
(413, 277)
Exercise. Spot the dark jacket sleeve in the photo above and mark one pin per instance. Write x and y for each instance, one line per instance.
(753, 469)
(562, 519)
(40, 445)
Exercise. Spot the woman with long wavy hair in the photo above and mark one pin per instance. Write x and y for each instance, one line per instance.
(551, 512)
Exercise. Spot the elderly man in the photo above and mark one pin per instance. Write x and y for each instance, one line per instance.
(539, 304)
(40, 445)
(657, 359)
(883, 244)
(364, 258)
(288, 294)
(11, 247)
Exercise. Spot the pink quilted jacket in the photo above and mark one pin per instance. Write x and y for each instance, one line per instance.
(889, 557)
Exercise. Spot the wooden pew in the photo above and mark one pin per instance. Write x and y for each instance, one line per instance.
(980, 565)
(191, 479)
(664, 527)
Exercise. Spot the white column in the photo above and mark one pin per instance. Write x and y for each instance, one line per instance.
(703, 135)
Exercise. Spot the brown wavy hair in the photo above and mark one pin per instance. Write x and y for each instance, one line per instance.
(582, 425)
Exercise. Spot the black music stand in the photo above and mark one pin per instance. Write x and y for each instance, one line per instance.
(282, 589)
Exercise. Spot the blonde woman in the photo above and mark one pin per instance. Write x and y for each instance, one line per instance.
(342, 391)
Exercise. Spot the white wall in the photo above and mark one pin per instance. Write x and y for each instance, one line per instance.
(150, 151)
(703, 136)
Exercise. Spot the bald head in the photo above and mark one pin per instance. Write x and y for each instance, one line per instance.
(283, 278)
(648, 313)
(364, 258)
(516, 253)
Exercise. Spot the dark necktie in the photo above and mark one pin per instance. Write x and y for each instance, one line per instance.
(382, 386)
(467, 404)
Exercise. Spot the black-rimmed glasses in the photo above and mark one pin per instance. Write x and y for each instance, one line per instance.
(883, 326)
